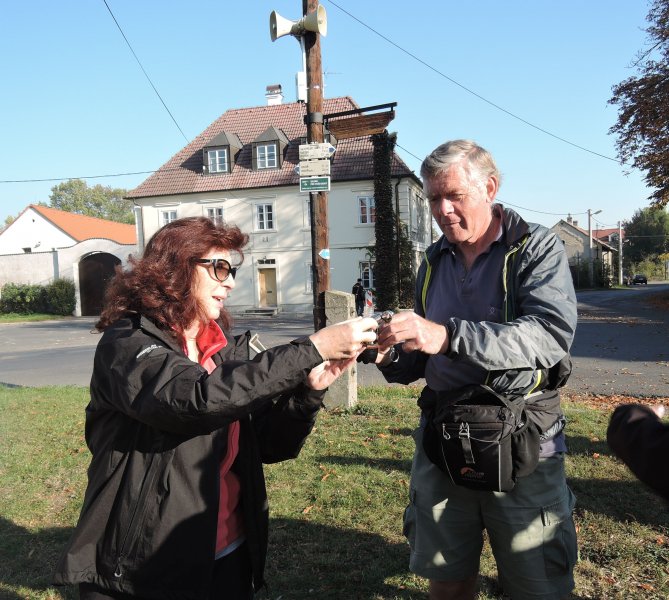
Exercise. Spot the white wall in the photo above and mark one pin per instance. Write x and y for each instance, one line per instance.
(32, 230)
(29, 269)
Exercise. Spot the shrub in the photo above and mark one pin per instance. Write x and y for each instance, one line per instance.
(60, 297)
(57, 298)
(23, 298)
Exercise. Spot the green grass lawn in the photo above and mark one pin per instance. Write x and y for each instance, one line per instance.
(336, 510)
(21, 318)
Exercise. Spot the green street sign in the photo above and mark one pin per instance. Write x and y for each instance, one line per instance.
(315, 184)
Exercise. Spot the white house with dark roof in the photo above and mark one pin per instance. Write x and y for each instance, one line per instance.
(241, 169)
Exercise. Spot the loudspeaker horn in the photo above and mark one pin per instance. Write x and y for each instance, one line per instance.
(315, 21)
(279, 26)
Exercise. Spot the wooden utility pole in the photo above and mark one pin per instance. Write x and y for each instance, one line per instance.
(320, 237)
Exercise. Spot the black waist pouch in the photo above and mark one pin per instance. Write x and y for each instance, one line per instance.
(482, 440)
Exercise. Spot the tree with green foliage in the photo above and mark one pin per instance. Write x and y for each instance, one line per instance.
(103, 202)
(387, 259)
(642, 127)
(647, 235)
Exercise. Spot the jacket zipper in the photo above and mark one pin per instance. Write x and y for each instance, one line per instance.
(133, 525)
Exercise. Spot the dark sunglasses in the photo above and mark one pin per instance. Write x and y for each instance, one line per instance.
(222, 268)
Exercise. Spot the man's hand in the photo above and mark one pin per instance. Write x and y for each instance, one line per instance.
(414, 333)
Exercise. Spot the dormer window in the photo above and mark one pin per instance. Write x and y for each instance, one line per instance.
(217, 160)
(266, 156)
(268, 149)
(218, 156)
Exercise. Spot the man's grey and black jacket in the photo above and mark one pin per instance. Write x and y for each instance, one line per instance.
(528, 351)
(156, 426)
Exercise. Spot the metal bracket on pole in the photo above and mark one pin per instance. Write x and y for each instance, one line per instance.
(314, 117)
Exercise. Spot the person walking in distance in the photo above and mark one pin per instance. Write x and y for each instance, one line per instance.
(359, 292)
(494, 319)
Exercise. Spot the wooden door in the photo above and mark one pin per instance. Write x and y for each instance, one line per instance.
(267, 284)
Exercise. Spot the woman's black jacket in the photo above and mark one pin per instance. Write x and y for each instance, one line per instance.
(156, 426)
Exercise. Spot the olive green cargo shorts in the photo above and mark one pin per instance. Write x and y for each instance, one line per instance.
(531, 529)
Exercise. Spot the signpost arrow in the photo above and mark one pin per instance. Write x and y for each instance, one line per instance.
(315, 151)
(309, 168)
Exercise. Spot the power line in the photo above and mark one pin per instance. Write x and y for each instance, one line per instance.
(472, 92)
(81, 177)
(540, 211)
(144, 71)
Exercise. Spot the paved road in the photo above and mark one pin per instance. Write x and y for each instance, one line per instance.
(621, 346)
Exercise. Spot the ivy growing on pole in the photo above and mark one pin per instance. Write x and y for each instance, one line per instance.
(387, 258)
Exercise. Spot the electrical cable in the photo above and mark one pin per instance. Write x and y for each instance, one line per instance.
(472, 92)
(144, 71)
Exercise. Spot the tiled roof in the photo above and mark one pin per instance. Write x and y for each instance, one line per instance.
(82, 227)
(605, 233)
(183, 173)
(595, 239)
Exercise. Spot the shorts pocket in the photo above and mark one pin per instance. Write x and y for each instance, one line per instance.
(560, 548)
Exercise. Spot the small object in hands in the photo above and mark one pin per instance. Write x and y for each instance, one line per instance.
(384, 318)
(369, 354)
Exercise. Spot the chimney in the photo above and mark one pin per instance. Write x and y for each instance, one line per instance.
(569, 219)
(273, 94)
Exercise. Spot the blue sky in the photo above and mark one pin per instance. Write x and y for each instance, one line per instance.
(76, 103)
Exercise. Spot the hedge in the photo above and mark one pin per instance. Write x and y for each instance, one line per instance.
(56, 298)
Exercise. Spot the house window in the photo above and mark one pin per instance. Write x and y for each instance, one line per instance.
(218, 160)
(367, 274)
(264, 216)
(266, 156)
(216, 214)
(366, 210)
(167, 216)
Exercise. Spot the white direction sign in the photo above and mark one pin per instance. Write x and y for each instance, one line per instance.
(309, 168)
(314, 151)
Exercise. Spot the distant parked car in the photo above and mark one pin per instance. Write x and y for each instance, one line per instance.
(640, 279)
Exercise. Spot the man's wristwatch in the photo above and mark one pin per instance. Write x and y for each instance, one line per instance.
(393, 355)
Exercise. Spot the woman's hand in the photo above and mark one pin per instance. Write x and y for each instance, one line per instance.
(322, 376)
(346, 339)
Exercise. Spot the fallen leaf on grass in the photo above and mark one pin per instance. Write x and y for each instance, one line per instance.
(307, 510)
(595, 455)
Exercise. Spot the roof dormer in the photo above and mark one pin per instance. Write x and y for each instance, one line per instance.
(218, 156)
(268, 148)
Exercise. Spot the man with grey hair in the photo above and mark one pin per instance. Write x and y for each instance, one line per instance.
(494, 318)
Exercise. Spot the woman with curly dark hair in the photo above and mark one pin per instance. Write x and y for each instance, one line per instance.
(181, 420)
